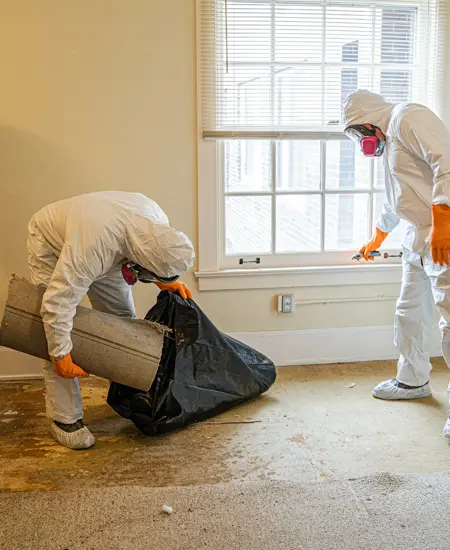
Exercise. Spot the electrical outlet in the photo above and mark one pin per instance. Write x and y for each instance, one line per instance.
(286, 303)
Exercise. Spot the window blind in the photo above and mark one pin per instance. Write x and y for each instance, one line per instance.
(282, 68)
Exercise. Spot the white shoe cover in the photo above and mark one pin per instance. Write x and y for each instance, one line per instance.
(388, 390)
(80, 439)
(447, 428)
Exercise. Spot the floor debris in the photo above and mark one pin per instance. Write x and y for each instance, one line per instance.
(318, 410)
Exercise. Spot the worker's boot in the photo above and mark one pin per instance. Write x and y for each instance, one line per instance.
(73, 436)
(447, 422)
(447, 428)
(394, 390)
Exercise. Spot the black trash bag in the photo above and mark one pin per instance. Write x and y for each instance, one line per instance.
(202, 372)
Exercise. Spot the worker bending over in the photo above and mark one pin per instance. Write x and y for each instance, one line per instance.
(95, 244)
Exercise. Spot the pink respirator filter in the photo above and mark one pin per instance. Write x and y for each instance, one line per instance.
(369, 146)
(129, 274)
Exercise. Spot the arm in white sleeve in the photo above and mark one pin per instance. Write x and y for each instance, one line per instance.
(388, 219)
(74, 273)
(425, 135)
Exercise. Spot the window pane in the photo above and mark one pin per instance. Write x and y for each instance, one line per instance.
(298, 223)
(379, 169)
(298, 95)
(346, 221)
(248, 31)
(395, 47)
(340, 82)
(247, 165)
(246, 98)
(395, 239)
(347, 168)
(299, 166)
(248, 225)
(398, 34)
(298, 33)
(396, 86)
(346, 25)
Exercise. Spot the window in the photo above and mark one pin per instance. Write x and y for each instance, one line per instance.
(290, 189)
(275, 194)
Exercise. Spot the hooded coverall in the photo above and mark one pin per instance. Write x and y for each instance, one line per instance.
(77, 247)
(417, 176)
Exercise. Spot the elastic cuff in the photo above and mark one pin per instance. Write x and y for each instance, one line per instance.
(379, 227)
(441, 192)
(64, 419)
(406, 386)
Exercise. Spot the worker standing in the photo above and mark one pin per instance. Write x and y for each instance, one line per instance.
(89, 245)
(416, 148)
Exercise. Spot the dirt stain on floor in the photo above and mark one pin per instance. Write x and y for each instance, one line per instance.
(31, 460)
(302, 432)
(298, 438)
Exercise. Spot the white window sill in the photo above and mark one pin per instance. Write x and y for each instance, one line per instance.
(295, 277)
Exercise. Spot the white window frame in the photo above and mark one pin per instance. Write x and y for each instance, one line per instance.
(216, 274)
(300, 259)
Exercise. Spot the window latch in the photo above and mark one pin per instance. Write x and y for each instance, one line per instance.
(255, 261)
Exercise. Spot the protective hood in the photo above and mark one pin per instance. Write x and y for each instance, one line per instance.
(75, 243)
(159, 248)
(364, 107)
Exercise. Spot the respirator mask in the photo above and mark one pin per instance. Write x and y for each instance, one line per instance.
(365, 137)
(132, 273)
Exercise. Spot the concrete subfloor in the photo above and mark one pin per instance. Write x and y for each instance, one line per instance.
(311, 426)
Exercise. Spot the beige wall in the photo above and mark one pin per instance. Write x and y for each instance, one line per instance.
(100, 94)
(95, 94)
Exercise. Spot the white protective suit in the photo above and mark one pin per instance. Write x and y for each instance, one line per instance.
(77, 246)
(417, 168)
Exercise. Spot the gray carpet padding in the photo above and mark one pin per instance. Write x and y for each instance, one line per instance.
(116, 348)
(375, 512)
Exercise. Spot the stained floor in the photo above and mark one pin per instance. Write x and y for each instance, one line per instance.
(316, 423)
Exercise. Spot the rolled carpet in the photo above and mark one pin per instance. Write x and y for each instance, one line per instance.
(121, 349)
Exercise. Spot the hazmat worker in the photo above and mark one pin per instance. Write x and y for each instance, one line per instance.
(95, 244)
(416, 148)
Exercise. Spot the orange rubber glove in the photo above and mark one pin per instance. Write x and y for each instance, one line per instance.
(375, 242)
(440, 234)
(67, 369)
(177, 287)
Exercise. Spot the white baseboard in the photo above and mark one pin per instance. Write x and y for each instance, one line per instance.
(285, 348)
(326, 346)
(19, 366)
